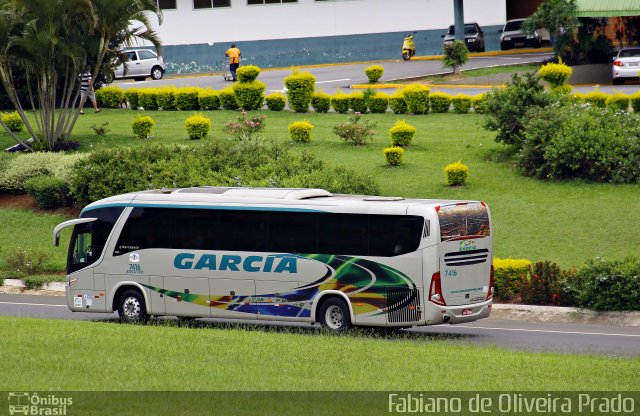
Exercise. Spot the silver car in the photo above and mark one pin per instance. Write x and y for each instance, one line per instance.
(141, 63)
(626, 65)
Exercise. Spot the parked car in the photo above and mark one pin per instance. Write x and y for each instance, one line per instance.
(473, 37)
(626, 65)
(141, 63)
(514, 37)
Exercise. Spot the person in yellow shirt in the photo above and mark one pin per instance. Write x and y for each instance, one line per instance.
(234, 59)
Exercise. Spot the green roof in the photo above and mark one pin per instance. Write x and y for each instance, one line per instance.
(608, 8)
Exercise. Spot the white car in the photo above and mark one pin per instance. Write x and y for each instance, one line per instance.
(141, 63)
(626, 65)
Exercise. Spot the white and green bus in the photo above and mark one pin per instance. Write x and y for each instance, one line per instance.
(282, 254)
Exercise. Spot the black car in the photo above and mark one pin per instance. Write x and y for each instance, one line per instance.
(514, 37)
(473, 37)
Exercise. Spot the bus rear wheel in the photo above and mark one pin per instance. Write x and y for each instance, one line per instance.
(334, 315)
(132, 308)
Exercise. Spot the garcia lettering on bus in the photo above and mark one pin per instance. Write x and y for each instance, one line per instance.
(235, 263)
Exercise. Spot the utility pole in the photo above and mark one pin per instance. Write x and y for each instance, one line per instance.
(458, 15)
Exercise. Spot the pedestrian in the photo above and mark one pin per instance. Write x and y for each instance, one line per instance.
(87, 91)
(234, 60)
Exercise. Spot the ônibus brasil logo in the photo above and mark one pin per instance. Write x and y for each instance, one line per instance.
(23, 403)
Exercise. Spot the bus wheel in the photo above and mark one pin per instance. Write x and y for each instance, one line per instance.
(132, 307)
(334, 315)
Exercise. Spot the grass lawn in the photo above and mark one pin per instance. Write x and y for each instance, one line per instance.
(472, 73)
(72, 355)
(558, 221)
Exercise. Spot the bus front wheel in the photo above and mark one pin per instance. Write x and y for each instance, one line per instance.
(334, 315)
(132, 307)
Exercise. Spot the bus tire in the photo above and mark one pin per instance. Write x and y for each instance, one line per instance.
(132, 308)
(335, 315)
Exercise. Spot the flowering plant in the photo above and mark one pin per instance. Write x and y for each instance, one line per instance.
(354, 132)
(244, 128)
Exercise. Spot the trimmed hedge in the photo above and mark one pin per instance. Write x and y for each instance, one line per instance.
(477, 101)
(417, 98)
(300, 131)
(49, 192)
(276, 101)
(440, 102)
(228, 99)
(166, 98)
(142, 127)
(321, 102)
(402, 134)
(456, 173)
(555, 74)
(358, 103)
(197, 126)
(300, 87)
(209, 99)
(596, 98)
(341, 103)
(148, 99)
(131, 94)
(13, 121)
(249, 95)
(187, 98)
(397, 103)
(393, 155)
(248, 73)
(16, 170)
(618, 102)
(374, 72)
(461, 103)
(110, 97)
(507, 276)
(379, 103)
(635, 102)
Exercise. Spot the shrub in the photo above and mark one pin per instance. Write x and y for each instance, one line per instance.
(341, 103)
(148, 99)
(374, 72)
(397, 103)
(547, 284)
(478, 102)
(440, 102)
(578, 97)
(596, 98)
(19, 169)
(26, 260)
(116, 170)
(187, 98)
(508, 273)
(49, 192)
(276, 102)
(358, 103)
(249, 95)
(635, 102)
(228, 99)
(379, 103)
(354, 132)
(455, 55)
(166, 98)
(248, 73)
(209, 99)
(197, 126)
(37, 282)
(417, 98)
(131, 94)
(244, 128)
(609, 285)
(456, 173)
(555, 74)
(321, 102)
(461, 103)
(401, 134)
(142, 126)
(562, 89)
(102, 129)
(110, 97)
(300, 131)
(618, 102)
(13, 121)
(300, 87)
(393, 155)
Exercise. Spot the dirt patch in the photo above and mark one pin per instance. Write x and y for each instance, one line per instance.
(24, 201)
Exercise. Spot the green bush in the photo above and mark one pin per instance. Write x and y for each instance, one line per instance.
(397, 103)
(341, 103)
(116, 170)
(402, 134)
(358, 103)
(13, 121)
(276, 102)
(455, 55)
(38, 281)
(547, 284)
(507, 275)
(17, 170)
(26, 261)
(440, 102)
(417, 98)
(187, 98)
(49, 192)
(300, 87)
(461, 103)
(131, 94)
(166, 98)
(110, 97)
(555, 74)
(565, 89)
(209, 99)
(456, 173)
(635, 102)
(618, 102)
(228, 99)
(300, 131)
(596, 98)
(609, 285)
(249, 95)
(374, 72)
(321, 102)
(197, 126)
(379, 103)
(245, 128)
(478, 101)
(393, 155)
(248, 73)
(148, 99)
(142, 127)
(354, 132)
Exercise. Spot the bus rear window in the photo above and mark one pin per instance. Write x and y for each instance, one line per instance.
(463, 220)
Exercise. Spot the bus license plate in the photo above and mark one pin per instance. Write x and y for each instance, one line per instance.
(466, 312)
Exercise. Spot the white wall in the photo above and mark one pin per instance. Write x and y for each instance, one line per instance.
(309, 18)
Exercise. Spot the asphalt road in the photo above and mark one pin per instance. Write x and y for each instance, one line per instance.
(515, 335)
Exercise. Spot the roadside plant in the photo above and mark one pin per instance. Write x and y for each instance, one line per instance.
(131, 95)
(166, 98)
(508, 273)
(393, 155)
(596, 98)
(456, 174)
(197, 126)
(477, 102)
(276, 101)
(300, 88)
(397, 103)
(249, 95)
(354, 131)
(209, 99)
(374, 72)
(461, 103)
(49, 192)
(26, 261)
(142, 127)
(187, 99)
(148, 99)
(300, 131)
(618, 102)
(340, 102)
(244, 127)
(609, 285)
(358, 102)
(379, 103)
(13, 121)
(110, 97)
(417, 98)
(547, 284)
(102, 129)
(440, 102)
(321, 102)
(635, 102)
(228, 99)
(402, 134)
(556, 74)
(455, 55)
(248, 73)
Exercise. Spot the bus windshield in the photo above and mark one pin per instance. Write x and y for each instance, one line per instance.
(463, 220)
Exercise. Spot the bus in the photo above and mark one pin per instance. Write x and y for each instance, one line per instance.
(281, 254)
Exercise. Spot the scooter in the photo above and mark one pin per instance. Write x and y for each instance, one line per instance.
(408, 47)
